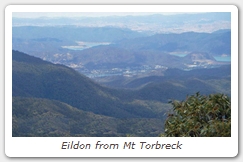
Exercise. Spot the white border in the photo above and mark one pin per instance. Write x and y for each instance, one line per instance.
(51, 147)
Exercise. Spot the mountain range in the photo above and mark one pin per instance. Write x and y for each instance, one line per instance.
(62, 91)
(125, 48)
(216, 43)
(153, 23)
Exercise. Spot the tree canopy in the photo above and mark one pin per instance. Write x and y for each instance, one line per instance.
(200, 116)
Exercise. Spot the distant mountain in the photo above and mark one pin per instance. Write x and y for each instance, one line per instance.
(46, 42)
(155, 23)
(127, 49)
(212, 43)
(108, 57)
(212, 73)
(222, 31)
(115, 57)
(154, 18)
(198, 58)
(74, 33)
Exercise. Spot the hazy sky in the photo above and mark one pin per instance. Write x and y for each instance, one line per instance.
(84, 14)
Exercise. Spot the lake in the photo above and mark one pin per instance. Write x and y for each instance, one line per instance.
(85, 45)
(179, 54)
(223, 58)
(217, 58)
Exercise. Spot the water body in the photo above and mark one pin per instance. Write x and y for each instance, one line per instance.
(217, 58)
(223, 58)
(85, 45)
(179, 54)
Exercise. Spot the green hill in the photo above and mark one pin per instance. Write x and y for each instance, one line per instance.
(175, 83)
(176, 89)
(33, 77)
(54, 100)
(42, 117)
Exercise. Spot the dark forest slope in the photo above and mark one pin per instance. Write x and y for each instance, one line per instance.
(42, 117)
(33, 77)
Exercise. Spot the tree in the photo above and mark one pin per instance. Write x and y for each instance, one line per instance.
(200, 116)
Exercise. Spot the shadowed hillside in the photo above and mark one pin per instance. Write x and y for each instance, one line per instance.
(43, 117)
(33, 77)
(54, 100)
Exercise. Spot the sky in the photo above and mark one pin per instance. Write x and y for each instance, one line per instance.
(84, 14)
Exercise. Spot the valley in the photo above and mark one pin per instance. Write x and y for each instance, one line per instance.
(75, 78)
(136, 107)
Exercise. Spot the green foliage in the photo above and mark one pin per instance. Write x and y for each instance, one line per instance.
(38, 117)
(200, 116)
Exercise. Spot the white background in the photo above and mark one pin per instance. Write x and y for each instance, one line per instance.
(4, 4)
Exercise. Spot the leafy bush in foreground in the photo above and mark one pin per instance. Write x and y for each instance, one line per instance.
(200, 116)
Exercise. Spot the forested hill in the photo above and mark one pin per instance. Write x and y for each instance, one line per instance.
(54, 100)
(47, 98)
(33, 77)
